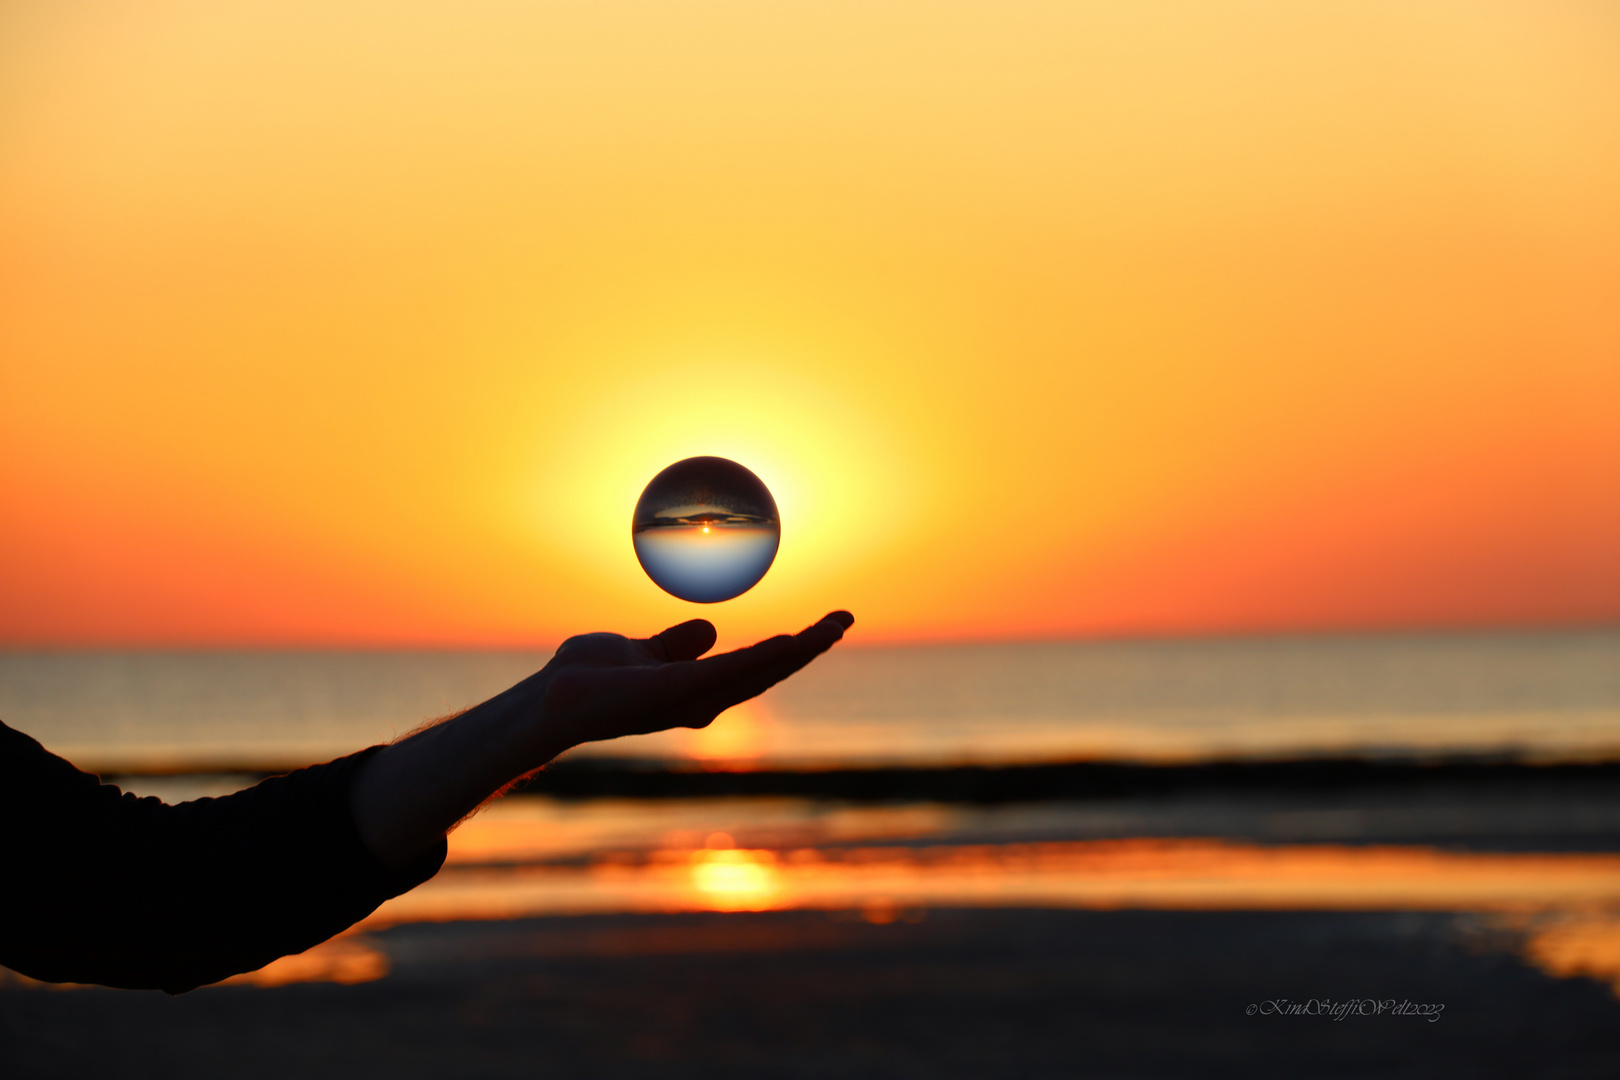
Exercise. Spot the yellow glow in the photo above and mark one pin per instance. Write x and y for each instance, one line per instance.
(346, 959)
(1577, 944)
(733, 880)
(736, 737)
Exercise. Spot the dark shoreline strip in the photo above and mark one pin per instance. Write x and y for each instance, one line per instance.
(1051, 782)
(588, 778)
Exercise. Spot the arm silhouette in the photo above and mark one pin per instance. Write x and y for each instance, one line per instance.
(597, 686)
(105, 887)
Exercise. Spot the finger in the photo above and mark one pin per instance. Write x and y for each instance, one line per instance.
(843, 618)
(709, 686)
(818, 637)
(830, 628)
(686, 641)
(795, 651)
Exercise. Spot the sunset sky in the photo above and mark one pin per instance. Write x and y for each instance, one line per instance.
(349, 323)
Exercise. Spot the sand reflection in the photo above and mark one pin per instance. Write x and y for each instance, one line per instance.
(893, 864)
(1143, 873)
(732, 880)
(347, 959)
(1572, 944)
(1563, 910)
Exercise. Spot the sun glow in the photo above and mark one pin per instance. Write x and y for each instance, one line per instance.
(734, 739)
(735, 880)
(832, 467)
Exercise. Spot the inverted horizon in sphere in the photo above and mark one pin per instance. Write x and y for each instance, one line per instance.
(706, 529)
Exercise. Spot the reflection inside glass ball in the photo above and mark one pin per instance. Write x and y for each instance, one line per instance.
(706, 529)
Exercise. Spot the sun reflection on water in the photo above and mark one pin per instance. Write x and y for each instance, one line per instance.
(732, 879)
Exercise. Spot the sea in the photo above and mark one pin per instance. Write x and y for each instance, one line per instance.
(1530, 696)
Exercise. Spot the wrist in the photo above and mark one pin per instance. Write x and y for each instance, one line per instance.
(537, 727)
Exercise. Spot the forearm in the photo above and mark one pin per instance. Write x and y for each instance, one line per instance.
(407, 796)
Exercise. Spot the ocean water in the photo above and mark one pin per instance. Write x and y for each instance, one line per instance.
(1545, 696)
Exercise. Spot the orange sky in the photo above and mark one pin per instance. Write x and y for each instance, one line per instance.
(366, 322)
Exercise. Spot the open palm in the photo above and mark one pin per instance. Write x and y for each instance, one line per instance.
(602, 686)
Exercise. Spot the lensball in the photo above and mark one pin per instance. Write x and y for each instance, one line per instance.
(706, 530)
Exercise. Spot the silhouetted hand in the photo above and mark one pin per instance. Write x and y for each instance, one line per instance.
(603, 686)
(597, 686)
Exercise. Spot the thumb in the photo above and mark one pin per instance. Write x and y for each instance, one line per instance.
(684, 641)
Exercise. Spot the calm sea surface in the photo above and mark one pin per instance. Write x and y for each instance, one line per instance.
(1540, 696)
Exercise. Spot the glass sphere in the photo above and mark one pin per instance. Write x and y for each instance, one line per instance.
(706, 530)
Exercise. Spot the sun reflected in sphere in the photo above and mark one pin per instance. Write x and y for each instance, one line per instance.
(706, 529)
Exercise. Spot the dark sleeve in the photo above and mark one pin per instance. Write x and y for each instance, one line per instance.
(99, 886)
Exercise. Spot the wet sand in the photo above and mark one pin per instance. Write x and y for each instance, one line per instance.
(1151, 948)
(984, 993)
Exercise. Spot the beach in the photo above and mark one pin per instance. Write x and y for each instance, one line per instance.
(1334, 857)
(1461, 925)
